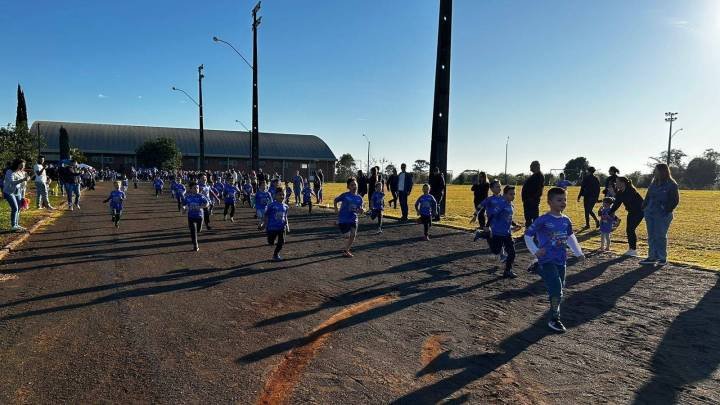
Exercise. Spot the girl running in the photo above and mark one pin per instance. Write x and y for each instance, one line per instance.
(262, 200)
(116, 199)
(426, 207)
(307, 194)
(608, 222)
(196, 204)
(276, 220)
(230, 192)
(350, 206)
(378, 206)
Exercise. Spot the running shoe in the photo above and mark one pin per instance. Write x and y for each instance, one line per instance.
(197, 248)
(427, 237)
(78, 206)
(509, 274)
(648, 261)
(379, 232)
(232, 219)
(661, 262)
(557, 325)
(277, 258)
(347, 253)
(478, 236)
(631, 253)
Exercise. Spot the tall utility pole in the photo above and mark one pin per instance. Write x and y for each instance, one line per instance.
(441, 108)
(670, 117)
(201, 163)
(255, 150)
(368, 155)
(507, 142)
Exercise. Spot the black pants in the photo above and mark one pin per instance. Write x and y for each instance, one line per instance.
(403, 204)
(427, 223)
(377, 214)
(195, 224)
(589, 205)
(631, 223)
(280, 236)
(116, 213)
(438, 198)
(206, 215)
(179, 201)
(498, 242)
(158, 191)
(531, 209)
(229, 207)
(394, 200)
(481, 217)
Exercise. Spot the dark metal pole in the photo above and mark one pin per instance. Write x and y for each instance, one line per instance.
(201, 163)
(441, 108)
(670, 117)
(255, 150)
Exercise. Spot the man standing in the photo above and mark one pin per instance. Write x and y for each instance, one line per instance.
(362, 181)
(437, 189)
(392, 184)
(297, 187)
(41, 184)
(590, 192)
(405, 184)
(532, 191)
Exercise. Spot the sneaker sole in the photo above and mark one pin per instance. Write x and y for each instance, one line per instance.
(556, 329)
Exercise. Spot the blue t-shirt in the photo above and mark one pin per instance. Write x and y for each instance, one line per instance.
(502, 218)
(490, 203)
(552, 234)
(564, 184)
(297, 181)
(350, 204)
(262, 199)
(229, 191)
(607, 220)
(307, 194)
(427, 205)
(116, 199)
(247, 188)
(158, 183)
(219, 187)
(205, 190)
(180, 189)
(195, 203)
(378, 200)
(276, 216)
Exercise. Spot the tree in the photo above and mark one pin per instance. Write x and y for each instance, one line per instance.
(21, 119)
(389, 169)
(421, 166)
(64, 144)
(676, 157)
(711, 154)
(701, 173)
(77, 155)
(161, 153)
(17, 143)
(575, 167)
(345, 167)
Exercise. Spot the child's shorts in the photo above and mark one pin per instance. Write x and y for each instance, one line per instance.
(260, 213)
(375, 213)
(347, 229)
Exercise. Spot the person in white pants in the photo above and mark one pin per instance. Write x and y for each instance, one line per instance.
(41, 184)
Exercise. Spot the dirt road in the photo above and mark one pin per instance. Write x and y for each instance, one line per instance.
(96, 314)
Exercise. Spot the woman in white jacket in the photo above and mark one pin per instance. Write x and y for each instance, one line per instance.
(13, 186)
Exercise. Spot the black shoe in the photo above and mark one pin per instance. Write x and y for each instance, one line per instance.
(509, 274)
(661, 263)
(557, 325)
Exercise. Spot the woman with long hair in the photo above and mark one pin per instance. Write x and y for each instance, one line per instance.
(660, 201)
(15, 178)
(626, 194)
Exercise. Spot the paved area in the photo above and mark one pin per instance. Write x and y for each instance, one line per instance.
(97, 314)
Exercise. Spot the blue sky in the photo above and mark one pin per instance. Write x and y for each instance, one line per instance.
(561, 78)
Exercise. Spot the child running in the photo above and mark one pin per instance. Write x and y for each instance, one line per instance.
(608, 221)
(501, 223)
(307, 195)
(262, 200)
(209, 193)
(230, 192)
(196, 204)
(485, 207)
(276, 220)
(554, 232)
(350, 206)
(288, 192)
(247, 191)
(179, 193)
(378, 206)
(125, 183)
(116, 198)
(426, 207)
(158, 183)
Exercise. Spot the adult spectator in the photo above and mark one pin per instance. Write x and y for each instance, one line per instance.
(393, 186)
(41, 184)
(660, 201)
(297, 187)
(405, 184)
(532, 191)
(70, 175)
(362, 181)
(318, 185)
(437, 189)
(609, 190)
(480, 189)
(373, 179)
(628, 196)
(15, 178)
(590, 192)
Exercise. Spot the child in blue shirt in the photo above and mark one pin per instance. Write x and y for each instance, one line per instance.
(307, 194)
(125, 184)
(288, 192)
(276, 223)
(209, 193)
(247, 191)
(158, 183)
(484, 208)
(427, 207)
(229, 195)
(554, 232)
(501, 224)
(262, 199)
(116, 199)
(377, 206)
(608, 221)
(195, 203)
(179, 194)
(351, 204)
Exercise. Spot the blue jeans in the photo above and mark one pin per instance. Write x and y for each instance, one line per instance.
(14, 201)
(554, 277)
(70, 190)
(657, 223)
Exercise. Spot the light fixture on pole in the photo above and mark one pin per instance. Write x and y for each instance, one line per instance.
(201, 160)
(670, 117)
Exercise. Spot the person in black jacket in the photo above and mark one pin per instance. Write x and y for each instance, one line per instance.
(609, 190)
(362, 181)
(371, 181)
(590, 192)
(532, 191)
(437, 189)
(480, 190)
(393, 186)
(627, 195)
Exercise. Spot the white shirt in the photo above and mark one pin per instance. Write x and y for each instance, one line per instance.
(401, 181)
(41, 178)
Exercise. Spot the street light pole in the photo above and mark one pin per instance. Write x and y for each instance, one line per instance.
(670, 117)
(254, 137)
(200, 106)
(507, 142)
(368, 154)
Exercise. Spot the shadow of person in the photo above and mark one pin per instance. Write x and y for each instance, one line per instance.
(689, 352)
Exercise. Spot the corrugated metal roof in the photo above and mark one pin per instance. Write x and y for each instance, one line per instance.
(125, 139)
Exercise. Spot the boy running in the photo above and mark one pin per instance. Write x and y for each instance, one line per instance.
(307, 194)
(485, 207)
(378, 206)
(158, 183)
(247, 193)
(262, 200)
(501, 227)
(276, 218)
(196, 204)
(350, 206)
(116, 198)
(426, 207)
(230, 192)
(554, 232)
(179, 194)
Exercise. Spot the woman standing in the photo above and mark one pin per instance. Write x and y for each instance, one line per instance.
(590, 192)
(13, 184)
(319, 182)
(480, 190)
(393, 186)
(627, 195)
(660, 201)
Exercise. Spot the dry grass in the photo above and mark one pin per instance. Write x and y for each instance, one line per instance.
(693, 235)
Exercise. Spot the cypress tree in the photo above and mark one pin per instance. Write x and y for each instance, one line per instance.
(64, 144)
(21, 119)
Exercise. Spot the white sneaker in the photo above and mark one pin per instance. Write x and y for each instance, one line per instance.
(631, 253)
(16, 229)
(71, 207)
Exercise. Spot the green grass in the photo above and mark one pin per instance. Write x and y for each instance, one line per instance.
(27, 217)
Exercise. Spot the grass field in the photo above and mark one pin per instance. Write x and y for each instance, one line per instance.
(27, 218)
(693, 235)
